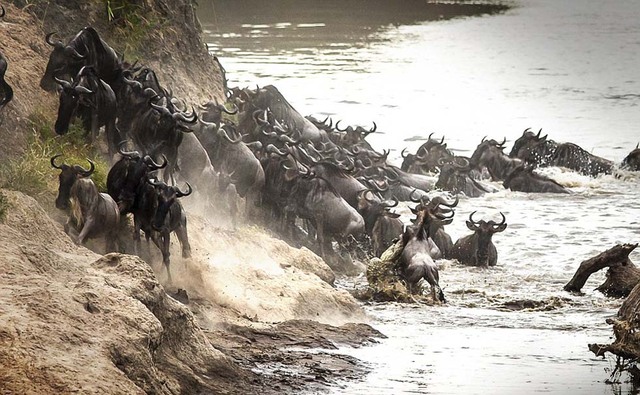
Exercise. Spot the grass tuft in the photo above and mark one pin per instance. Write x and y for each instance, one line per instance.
(4, 207)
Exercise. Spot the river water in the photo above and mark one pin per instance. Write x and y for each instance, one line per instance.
(570, 68)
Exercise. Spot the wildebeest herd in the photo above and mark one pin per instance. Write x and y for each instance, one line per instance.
(308, 181)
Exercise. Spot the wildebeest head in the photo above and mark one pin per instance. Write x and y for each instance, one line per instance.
(64, 61)
(484, 231)
(527, 139)
(485, 148)
(212, 111)
(632, 161)
(454, 177)
(126, 176)
(70, 98)
(428, 156)
(166, 196)
(68, 176)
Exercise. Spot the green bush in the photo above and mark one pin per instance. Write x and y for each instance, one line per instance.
(32, 172)
(132, 23)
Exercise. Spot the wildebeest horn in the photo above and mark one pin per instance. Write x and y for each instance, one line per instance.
(260, 121)
(87, 173)
(412, 198)
(483, 139)
(637, 145)
(443, 215)
(131, 154)
(501, 223)
(338, 128)
(186, 118)
(503, 142)
(74, 53)
(179, 193)
(471, 218)
(222, 132)
(442, 140)
(2, 14)
(232, 112)
(134, 83)
(430, 134)
(155, 182)
(460, 162)
(373, 129)
(47, 38)
(443, 202)
(402, 154)
(53, 161)
(526, 130)
(65, 84)
(152, 165)
(390, 204)
(83, 89)
(538, 135)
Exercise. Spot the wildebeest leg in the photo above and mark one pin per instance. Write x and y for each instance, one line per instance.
(162, 241)
(86, 228)
(320, 236)
(110, 242)
(181, 233)
(136, 235)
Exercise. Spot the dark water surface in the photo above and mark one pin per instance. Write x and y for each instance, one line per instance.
(568, 67)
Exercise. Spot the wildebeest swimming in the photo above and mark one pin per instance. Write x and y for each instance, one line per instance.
(540, 151)
(477, 249)
(308, 181)
(632, 161)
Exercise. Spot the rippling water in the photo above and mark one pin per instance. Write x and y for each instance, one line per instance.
(567, 67)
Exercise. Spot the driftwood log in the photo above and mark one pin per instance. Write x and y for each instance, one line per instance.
(626, 328)
(622, 275)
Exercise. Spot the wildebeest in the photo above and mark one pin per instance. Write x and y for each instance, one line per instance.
(314, 199)
(523, 179)
(540, 151)
(436, 230)
(417, 257)
(454, 177)
(230, 155)
(126, 177)
(489, 154)
(632, 161)
(270, 98)
(477, 249)
(168, 216)
(91, 214)
(381, 225)
(93, 100)
(85, 49)
(427, 157)
(156, 128)
(5, 88)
